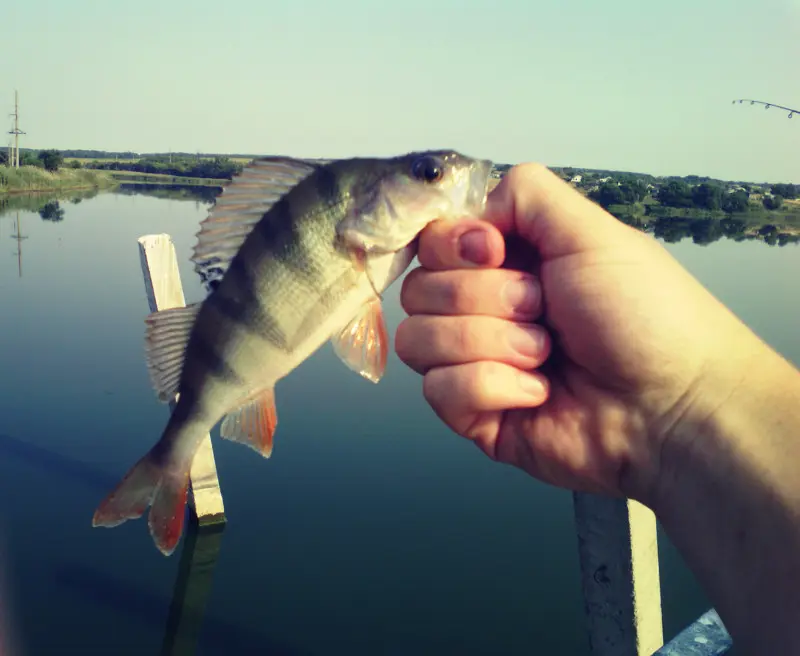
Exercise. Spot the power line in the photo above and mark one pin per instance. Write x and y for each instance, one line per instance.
(768, 105)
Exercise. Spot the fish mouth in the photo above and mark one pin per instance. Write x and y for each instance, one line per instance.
(478, 186)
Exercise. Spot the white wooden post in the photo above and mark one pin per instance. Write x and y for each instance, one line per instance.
(162, 282)
(618, 550)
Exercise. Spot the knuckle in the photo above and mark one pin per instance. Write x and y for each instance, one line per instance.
(488, 377)
(456, 293)
(409, 288)
(466, 336)
(403, 340)
(433, 382)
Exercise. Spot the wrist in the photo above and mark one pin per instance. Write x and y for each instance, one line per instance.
(728, 496)
(728, 419)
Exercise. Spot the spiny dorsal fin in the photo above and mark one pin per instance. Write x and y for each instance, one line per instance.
(253, 423)
(240, 206)
(363, 344)
(166, 337)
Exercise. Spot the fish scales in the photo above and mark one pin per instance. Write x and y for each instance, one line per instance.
(304, 250)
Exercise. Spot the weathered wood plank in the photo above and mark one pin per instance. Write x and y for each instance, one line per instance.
(706, 636)
(164, 290)
(618, 550)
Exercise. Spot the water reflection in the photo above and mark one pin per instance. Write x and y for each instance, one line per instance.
(19, 237)
(49, 205)
(199, 555)
(769, 229)
(171, 192)
(34, 202)
(707, 231)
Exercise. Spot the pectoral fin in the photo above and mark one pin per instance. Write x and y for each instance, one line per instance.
(363, 344)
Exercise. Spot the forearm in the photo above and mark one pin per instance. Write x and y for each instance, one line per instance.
(730, 501)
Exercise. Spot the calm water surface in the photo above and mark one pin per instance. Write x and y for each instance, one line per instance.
(371, 530)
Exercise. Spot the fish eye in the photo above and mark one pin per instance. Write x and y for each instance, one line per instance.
(427, 169)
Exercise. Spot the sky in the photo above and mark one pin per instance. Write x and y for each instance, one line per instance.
(621, 84)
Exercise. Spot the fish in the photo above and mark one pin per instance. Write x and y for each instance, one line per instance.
(294, 254)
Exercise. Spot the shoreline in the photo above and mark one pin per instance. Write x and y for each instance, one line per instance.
(47, 190)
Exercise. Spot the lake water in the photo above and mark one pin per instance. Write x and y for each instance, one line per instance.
(371, 530)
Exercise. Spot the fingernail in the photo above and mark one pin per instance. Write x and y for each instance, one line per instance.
(527, 340)
(473, 247)
(521, 296)
(532, 385)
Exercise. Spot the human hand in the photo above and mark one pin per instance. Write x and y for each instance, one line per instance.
(627, 347)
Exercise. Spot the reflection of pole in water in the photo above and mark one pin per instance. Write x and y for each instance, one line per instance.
(192, 588)
(19, 237)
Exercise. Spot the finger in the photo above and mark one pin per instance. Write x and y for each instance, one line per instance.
(494, 292)
(470, 398)
(557, 219)
(424, 342)
(465, 243)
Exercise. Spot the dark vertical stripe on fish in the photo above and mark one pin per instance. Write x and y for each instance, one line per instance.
(276, 227)
(326, 183)
(245, 308)
(283, 230)
(186, 402)
(205, 353)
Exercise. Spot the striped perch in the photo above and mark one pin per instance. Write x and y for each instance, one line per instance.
(294, 253)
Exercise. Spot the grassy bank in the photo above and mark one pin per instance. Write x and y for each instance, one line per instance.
(27, 179)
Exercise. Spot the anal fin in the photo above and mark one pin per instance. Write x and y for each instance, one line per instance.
(253, 423)
(363, 344)
(166, 337)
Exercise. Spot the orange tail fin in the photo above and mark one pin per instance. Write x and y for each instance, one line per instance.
(149, 483)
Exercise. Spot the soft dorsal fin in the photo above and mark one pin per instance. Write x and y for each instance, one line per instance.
(240, 206)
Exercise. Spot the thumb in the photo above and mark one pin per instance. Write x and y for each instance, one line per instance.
(556, 219)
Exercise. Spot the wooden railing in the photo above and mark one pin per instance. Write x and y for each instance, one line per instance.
(617, 542)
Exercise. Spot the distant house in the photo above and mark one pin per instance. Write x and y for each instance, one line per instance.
(576, 178)
(602, 180)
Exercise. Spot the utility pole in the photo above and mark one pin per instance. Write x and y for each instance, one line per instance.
(16, 132)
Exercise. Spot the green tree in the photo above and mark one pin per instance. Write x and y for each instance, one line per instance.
(738, 201)
(633, 190)
(27, 158)
(675, 193)
(607, 194)
(785, 190)
(75, 164)
(772, 202)
(707, 195)
(51, 159)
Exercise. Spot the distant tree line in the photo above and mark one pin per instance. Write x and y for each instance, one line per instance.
(217, 167)
(50, 160)
(680, 193)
